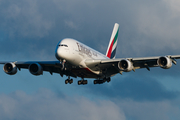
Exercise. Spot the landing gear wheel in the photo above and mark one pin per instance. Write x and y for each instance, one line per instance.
(70, 81)
(84, 82)
(95, 81)
(66, 81)
(79, 82)
(108, 80)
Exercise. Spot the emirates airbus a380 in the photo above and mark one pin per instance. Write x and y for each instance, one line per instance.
(74, 59)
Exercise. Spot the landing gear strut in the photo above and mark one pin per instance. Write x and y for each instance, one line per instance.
(69, 81)
(102, 81)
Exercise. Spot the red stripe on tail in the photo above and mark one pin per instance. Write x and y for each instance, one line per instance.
(110, 49)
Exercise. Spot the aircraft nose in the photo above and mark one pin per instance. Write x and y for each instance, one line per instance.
(57, 53)
(61, 53)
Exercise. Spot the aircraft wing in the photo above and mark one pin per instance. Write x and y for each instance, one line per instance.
(113, 66)
(49, 66)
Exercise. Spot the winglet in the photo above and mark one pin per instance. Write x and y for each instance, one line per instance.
(111, 51)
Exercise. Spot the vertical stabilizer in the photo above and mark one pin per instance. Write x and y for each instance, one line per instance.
(111, 51)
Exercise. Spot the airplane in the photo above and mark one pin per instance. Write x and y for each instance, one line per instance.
(75, 59)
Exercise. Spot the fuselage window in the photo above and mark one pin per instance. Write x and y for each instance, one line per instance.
(63, 45)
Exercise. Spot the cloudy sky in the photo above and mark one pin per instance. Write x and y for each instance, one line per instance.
(30, 30)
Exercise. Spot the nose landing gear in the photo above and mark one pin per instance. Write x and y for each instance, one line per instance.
(69, 81)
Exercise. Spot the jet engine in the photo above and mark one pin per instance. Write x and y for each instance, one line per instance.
(164, 62)
(125, 65)
(10, 68)
(35, 69)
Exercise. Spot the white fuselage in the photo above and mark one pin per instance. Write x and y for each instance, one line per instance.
(76, 53)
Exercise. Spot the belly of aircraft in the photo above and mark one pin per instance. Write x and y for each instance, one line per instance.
(84, 73)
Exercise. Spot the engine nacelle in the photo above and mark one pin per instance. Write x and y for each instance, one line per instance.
(164, 62)
(10, 68)
(35, 69)
(125, 65)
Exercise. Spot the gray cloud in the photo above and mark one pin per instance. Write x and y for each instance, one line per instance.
(47, 105)
(24, 19)
(133, 87)
(166, 110)
(148, 28)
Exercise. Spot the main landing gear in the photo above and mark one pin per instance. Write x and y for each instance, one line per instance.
(69, 81)
(102, 81)
(82, 82)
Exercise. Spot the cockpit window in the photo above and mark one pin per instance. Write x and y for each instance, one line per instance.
(63, 45)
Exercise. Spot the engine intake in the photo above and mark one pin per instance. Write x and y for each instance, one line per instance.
(35, 69)
(10, 68)
(125, 65)
(164, 62)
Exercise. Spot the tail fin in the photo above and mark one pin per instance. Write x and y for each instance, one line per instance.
(111, 51)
